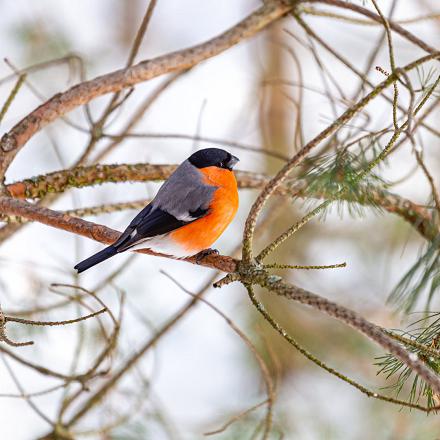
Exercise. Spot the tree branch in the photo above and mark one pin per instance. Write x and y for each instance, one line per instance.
(62, 103)
(96, 232)
(251, 275)
(37, 187)
(283, 173)
(247, 274)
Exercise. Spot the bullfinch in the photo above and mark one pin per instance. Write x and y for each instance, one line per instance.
(190, 211)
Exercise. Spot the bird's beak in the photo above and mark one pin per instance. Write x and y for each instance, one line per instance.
(232, 161)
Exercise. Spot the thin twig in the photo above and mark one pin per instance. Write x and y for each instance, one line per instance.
(53, 323)
(12, 96)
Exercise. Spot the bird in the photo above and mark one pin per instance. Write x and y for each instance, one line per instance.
(188, 214)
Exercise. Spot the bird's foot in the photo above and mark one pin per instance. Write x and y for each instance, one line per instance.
(205, 253)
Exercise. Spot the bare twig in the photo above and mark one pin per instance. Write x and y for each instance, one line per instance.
(12, 96)
(53, 323)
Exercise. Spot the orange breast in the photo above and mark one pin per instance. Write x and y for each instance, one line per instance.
(202, 233)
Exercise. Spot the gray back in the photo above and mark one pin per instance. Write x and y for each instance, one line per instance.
(184, 192)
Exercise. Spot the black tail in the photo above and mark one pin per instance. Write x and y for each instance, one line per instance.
(95, 259)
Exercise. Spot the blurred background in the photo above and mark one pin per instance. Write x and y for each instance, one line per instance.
(200, 374)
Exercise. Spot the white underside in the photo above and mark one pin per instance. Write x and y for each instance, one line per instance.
(163, 244)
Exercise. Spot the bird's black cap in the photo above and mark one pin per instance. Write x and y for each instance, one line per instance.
(216, 157)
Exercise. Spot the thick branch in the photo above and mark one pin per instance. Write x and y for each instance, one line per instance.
(94, 231)
(84, 92)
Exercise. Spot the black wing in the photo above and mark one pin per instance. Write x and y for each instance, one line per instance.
(149, 223)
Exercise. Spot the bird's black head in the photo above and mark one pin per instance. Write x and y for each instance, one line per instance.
(213, 157)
